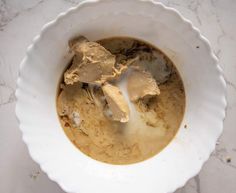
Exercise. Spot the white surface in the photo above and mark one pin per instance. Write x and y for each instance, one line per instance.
(20, 22)
(47, 58)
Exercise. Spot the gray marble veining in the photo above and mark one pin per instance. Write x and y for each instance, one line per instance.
(21, 20)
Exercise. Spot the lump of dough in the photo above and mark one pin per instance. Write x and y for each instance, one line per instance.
(76, 41)
(116, 102)
(141, 84)
(92, 63)
(65, 98)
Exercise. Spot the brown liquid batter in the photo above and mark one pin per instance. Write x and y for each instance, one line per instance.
(81, 109)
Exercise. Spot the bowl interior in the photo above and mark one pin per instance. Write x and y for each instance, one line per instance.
(164, 28)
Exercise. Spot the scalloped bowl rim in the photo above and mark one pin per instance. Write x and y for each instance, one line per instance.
(78, 7)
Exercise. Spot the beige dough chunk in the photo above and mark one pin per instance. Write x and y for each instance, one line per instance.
(76, 41)
(141, 84)
(116, 102)
(92, 63)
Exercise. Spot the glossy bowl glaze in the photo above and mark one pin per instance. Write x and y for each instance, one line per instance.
(163, 27)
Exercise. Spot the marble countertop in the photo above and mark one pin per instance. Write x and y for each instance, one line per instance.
(21, 20)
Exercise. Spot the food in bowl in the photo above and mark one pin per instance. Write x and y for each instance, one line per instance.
(121, 100)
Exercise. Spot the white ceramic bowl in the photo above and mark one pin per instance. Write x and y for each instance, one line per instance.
(164, 27)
